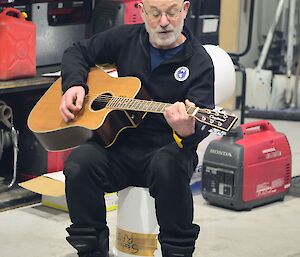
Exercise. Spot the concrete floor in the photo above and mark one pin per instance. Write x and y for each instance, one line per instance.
(272, 230)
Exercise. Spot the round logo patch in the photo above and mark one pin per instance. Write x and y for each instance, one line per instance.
(182, 73)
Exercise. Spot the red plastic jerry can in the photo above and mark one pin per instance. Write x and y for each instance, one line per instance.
(17, 45)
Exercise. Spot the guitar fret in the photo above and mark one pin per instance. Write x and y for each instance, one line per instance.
(151, 106)
(118, 100)
(111, 103)
(146, 105)
(136, 105)
(117, 103)
(126, 103)
(165, 106)
(140, 106)
(158, 107)
(122, 101)
(130, 103)
(128, 100)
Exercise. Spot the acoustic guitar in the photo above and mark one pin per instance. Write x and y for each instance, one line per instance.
(112, 105)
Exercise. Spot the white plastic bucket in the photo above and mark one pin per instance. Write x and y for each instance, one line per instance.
(137, 226)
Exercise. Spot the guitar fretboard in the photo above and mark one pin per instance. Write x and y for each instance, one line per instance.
(122, 103)
(215, 118)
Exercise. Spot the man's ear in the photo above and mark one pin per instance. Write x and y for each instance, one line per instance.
(186, 6)
(141, 10)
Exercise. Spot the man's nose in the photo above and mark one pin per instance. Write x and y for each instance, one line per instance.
(164, 21)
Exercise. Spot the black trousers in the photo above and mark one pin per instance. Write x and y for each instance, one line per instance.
(92, 170)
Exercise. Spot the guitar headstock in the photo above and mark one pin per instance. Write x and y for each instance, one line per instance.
(216, 118)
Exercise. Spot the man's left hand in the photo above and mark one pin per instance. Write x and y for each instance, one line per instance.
(177, 117)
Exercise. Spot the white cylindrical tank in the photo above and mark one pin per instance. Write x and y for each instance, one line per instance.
(225, 78)
(137, 226)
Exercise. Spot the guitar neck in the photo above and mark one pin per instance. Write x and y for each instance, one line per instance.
(214, 118)
(122, 103)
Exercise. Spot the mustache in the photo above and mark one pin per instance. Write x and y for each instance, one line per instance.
(164, 30)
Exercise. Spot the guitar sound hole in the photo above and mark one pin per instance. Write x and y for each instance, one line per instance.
(101, 101)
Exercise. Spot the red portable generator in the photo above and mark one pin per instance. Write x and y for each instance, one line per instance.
(248, 167)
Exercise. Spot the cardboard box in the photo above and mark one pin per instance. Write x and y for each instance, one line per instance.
(52, 188)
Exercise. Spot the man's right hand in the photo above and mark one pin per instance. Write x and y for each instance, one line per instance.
(71, 102)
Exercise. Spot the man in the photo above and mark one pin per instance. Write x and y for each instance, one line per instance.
(161, 152)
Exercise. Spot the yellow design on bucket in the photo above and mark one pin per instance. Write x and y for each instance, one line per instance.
(136, 243)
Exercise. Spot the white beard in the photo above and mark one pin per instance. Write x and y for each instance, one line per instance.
(164, 40)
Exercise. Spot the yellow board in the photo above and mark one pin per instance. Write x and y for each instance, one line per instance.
(229, 30)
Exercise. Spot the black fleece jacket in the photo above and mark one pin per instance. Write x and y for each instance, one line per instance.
(128, 47)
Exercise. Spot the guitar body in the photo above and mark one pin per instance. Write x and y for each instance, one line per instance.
(46, 123)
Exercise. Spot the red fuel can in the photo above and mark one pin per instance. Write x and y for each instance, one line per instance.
(17, 45)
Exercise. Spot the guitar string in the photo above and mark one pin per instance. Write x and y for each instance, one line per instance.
(107, 98)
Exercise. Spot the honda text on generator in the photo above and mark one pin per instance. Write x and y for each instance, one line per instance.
(250, 166)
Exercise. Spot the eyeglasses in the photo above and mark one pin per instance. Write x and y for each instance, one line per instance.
(155, 15)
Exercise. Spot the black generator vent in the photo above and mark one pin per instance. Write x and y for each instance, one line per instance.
(287, 173)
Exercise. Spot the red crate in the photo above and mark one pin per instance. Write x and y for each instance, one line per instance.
(56, 160)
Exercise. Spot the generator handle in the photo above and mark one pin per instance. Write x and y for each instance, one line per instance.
(263, 125)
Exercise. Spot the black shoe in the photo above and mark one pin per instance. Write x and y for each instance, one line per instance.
(88, 242)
